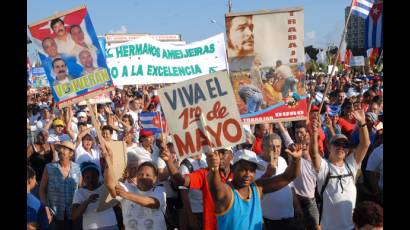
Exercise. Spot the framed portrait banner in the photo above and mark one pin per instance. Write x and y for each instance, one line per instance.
(71, 55)
(265, 58)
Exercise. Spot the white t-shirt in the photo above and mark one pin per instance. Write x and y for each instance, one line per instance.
(305, 183)
(143, 155)
(337, 206)
(41, 123)
(277, 205)
(65, 47)
(284, 70)
(91, 218)
(375, 163)
(137, 217)
(81, 155)
(195, 195)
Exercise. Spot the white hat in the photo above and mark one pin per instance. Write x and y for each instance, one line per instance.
(82, 114)
(249, 156)
(352, 93)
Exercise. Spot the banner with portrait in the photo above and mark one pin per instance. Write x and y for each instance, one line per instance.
(71, 55)
(38, 77)
(148, 61)
(265, 57)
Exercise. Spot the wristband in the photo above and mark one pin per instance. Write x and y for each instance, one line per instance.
(361, 126)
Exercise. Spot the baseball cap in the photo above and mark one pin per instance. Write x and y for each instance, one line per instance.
(145, 133)
(67, 144)
(81, 114)
(58, 122)
(249, 156)
(351, 93)
(338, 137)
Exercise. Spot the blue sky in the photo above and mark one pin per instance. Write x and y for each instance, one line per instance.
(324, 19)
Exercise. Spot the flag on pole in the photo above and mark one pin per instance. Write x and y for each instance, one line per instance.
(321, 57)
(362, 8)
(374, 27)
(372, 55)
(151, 121)
(342, 52)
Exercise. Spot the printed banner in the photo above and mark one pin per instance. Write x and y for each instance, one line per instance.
(100, 99)
(148, 61)
(200, 114)
(71, 55)
(265, 56)
(38, 77)
(357, 61)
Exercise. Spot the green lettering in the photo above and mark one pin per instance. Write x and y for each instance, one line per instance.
(212, 48)
(197, 69)
(165, 54)
(132, 50)
(119, 51)
(114, 72)
(188, 70)
(160, 71)
(150, 70)
(174, 71)
(139, 73)
(139, 49)
(109, 54)
(125, 51)
(166, 71)
(198, 51)
(124, 71)
(181, 70)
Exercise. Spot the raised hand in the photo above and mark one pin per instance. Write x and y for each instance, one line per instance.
(359, 116)
(119, 190)
(296, 153)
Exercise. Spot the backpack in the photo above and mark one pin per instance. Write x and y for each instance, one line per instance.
(328, 177)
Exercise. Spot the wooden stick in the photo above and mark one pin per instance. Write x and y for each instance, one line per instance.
(95, 122)
(57, 15)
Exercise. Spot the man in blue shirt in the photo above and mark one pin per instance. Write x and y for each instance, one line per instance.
(36, 213)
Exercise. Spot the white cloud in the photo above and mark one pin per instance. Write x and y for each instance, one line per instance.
(123, 30)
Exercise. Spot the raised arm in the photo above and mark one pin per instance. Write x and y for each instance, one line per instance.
(145, 201)
(81, 135)
(314, 145)
(273, 184)
(109, 178)
(176, 176)
(219, 190)
(285, 134)
(364, 140)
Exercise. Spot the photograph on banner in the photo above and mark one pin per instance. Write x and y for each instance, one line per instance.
(100, 99)
(38, 77)
(265, 58)
(70, 54)
(200, 114)
(149, 61)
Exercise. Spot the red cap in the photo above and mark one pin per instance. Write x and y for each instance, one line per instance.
(155, 100)
(314, 108)
(145, 133)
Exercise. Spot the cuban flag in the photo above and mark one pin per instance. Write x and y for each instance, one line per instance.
(374, 27)
(362, 8)
(153, 121)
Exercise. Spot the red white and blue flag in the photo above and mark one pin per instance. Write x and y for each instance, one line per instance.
(362, 8)
(153, 121)
(374, 27)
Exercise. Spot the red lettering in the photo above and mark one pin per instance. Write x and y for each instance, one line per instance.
(293, 60)
(227, 135)
(183, 146)
(190, 113)
(291, 29)
(216, 112)
(291, 45)
(293, 53)
(292, 37)
(291, 21)
(291, 13)
(201, 140)
(216, 135)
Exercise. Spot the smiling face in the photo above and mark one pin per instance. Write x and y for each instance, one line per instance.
(50, 47)
(77, 35)
(86, 59)
(338, 150)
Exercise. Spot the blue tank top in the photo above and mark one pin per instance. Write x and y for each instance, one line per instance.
(242, 214)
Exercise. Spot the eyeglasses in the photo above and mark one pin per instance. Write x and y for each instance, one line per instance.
(341, 144)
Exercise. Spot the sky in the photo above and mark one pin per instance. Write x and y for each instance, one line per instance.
(194, 19)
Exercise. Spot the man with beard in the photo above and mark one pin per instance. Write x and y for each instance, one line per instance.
(240, 36)
(63, 39)
(60, 71)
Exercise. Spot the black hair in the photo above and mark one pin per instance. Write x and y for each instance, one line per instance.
(149, 164)
(81, 123)
(57, 59)
(87, 137)
(368, 212)
(55, 21)
(100, 106)
(30, 173)
(129, 118)
(108, 127)
(301, 124)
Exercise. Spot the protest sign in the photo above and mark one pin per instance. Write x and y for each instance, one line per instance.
(100, 99)
(256, 42)
(71, 56)
(200, 114)
(148, 61)
(119, 163)
(357, 61)
(38, 77)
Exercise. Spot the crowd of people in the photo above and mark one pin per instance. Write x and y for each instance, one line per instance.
(325, 172)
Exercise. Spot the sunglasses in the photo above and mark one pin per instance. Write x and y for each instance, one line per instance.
(341, 144)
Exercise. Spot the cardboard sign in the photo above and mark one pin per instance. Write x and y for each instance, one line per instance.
(148, 61)
(357, 61)
(71, 55)
(265, 91)
(201, 114)
(119, 150)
